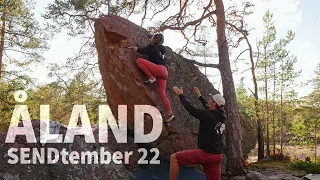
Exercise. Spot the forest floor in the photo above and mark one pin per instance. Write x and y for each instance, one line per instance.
(293, 152)
(280, 166)
(278, 169)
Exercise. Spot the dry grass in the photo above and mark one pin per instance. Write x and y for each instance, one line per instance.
(281, 165)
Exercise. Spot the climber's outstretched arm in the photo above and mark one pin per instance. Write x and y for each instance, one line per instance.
(201, 98)
(204, 102)
(197, 113)
(144, 50)
(135, 48)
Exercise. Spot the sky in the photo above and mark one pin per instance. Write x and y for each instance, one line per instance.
(301, 16)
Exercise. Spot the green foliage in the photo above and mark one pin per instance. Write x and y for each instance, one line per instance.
(7, 101)
(308, 167)
(80, 5)
(316, 80)
(246, 104)
(120, 8)
(77, 16)
(279, 157)
(266, 43)
(314, 97)
(61, 98)
(23, 35)
(275, 71)
(307, 118)
(269, 33)
(299, 131)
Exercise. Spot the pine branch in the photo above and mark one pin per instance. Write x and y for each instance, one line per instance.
(204, 65)
(191, 23)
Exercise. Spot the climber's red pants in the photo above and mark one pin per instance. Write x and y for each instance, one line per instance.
(161, 74)
(210, 162)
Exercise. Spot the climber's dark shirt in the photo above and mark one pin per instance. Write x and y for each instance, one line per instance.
(155, 53)
(211, 125)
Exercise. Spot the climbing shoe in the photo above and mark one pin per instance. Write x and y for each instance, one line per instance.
(149, 81)
(169, 119)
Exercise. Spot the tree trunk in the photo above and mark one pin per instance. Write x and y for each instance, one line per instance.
(109, 6)
(267, 109)
(316, 142)
(273, 110)
(256, 103)
(235, 158)
(3, 26)
(260, 140)
(281, 123)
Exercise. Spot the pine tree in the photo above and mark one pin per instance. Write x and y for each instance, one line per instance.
(287, 76)
(315, 103)
(20, 34)
(269, 36)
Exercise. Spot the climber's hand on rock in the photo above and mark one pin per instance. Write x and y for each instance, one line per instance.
(177, 90)
(197, 91)
(133, 47)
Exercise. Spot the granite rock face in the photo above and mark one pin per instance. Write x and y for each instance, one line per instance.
(58, 170)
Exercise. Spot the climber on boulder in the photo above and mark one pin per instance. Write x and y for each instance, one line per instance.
(155, 68)
(211, 128)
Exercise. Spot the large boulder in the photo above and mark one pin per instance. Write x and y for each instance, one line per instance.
(59, 170)
(123, 79)
(123, 82)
